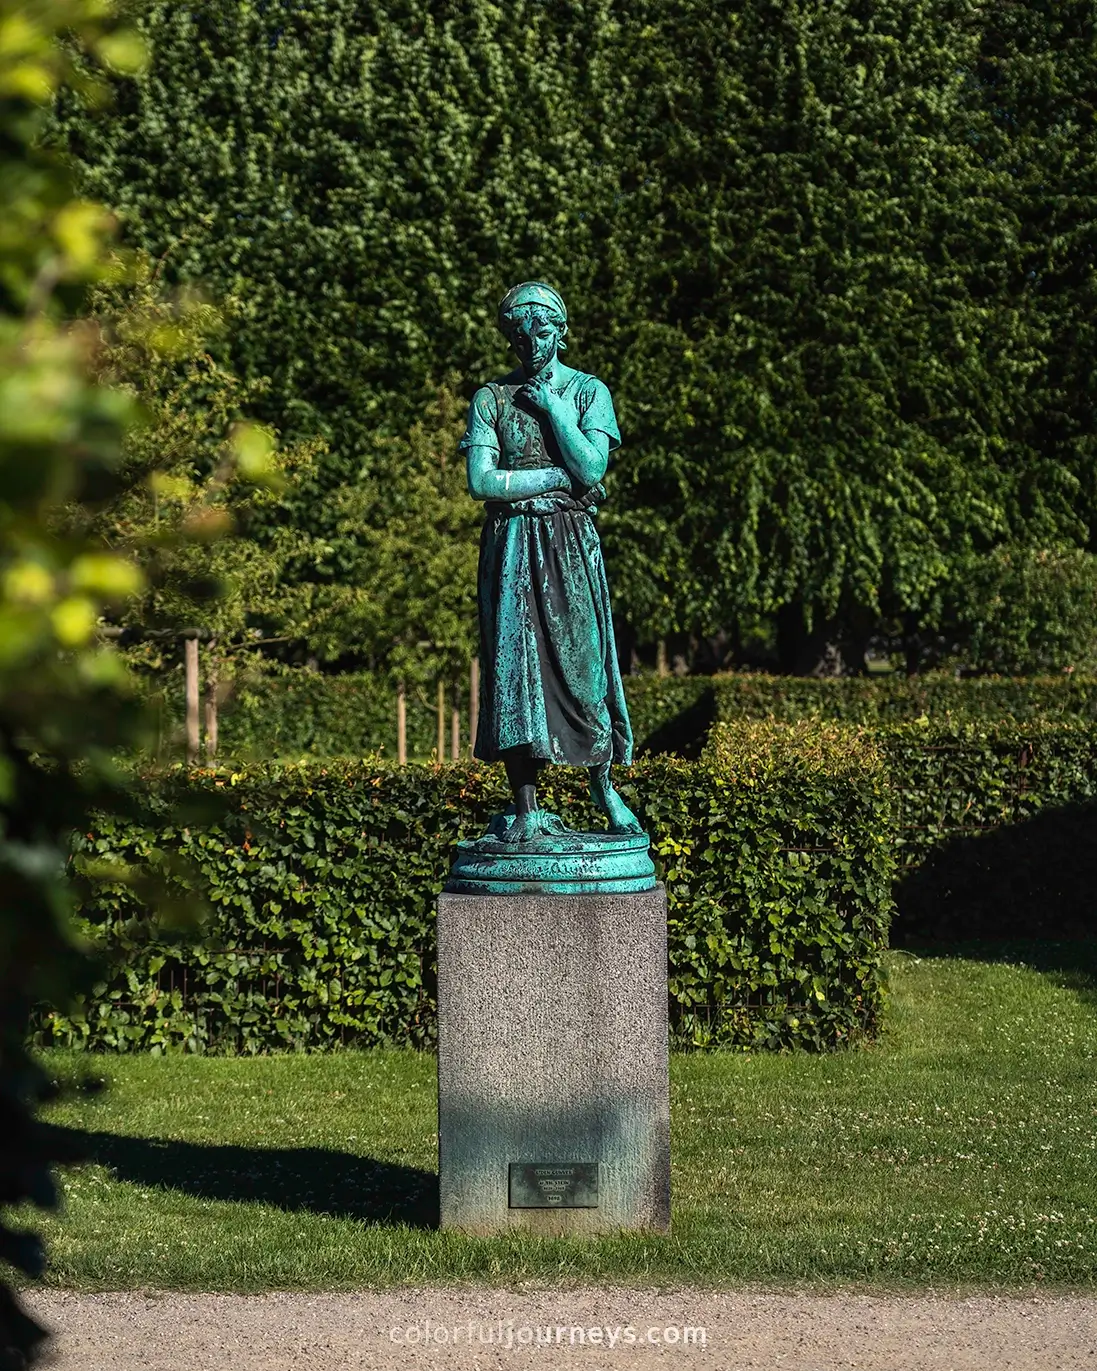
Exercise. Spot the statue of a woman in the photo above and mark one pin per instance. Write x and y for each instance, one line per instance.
(537, 445)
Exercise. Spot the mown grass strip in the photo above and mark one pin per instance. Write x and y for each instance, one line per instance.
(960, 1150)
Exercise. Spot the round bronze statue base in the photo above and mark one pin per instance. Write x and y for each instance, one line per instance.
(565, 863)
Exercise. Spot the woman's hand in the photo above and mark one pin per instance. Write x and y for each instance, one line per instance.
(585, 455)
(538, 393)
(561, 479)
(593, 497)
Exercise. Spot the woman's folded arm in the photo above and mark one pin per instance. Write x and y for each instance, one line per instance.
(487, 482)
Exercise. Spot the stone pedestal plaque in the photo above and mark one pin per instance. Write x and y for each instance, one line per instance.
(553, 1097)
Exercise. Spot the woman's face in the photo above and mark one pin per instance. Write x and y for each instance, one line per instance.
(535, 339)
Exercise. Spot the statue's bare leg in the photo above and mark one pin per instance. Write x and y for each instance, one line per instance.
(621, 819)
(522, 772)
(528, 819)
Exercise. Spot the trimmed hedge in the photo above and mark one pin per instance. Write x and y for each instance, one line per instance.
(995, 828)
(777, 861)
(307, 713)
(955, 779)
(889, 698)
(777, 848)
(353, 714)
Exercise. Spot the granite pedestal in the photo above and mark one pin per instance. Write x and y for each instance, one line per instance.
(553, 1095)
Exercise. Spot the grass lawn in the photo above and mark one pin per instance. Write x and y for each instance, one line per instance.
(961, 1150)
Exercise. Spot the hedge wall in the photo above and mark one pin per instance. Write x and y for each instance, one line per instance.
(777, 861)
(995, 828)
(778, 849)
(354, 714)
(889, 698)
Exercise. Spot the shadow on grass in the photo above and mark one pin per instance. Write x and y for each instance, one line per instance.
(313, 1179)
(1023, 894)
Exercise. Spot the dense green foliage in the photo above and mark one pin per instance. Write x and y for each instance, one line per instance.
(957, 778)
(63, 702)
(891, 698)
(1040, 85)
(322, 881)
(834, 260)
(192, 470)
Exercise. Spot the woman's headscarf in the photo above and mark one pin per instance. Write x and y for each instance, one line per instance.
(532, 293)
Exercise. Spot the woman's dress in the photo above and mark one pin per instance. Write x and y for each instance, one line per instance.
(549, 679)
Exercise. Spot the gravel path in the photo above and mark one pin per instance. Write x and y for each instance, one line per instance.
(378, 1331)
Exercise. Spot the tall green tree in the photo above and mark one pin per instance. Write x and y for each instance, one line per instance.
(1029, 602)
(193, 470)
(807, 244)
(831, 342)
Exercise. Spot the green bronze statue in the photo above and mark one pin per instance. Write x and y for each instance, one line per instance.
(537, 445)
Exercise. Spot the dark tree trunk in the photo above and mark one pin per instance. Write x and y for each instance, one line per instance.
(912, 644)
(831, 647)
